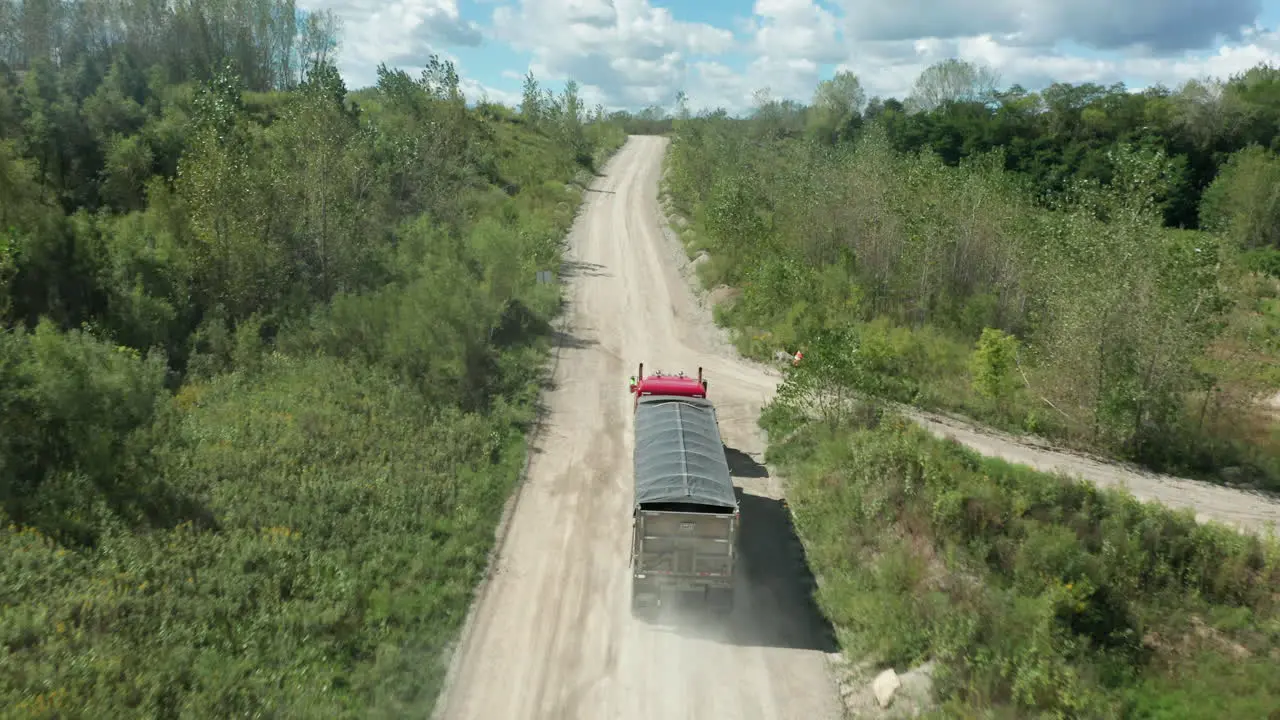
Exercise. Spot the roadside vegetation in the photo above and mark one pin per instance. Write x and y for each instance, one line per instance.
(1037, 596)
(1089, 265)
(1086, 264)
(268, 351)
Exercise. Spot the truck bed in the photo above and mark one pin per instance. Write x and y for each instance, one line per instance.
(686, 508)
(683, 553)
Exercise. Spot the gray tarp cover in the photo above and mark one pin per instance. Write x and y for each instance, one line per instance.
(679, 456)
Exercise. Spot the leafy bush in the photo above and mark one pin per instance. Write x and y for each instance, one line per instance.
(1263, 260)
(77, 419)
(994, 366)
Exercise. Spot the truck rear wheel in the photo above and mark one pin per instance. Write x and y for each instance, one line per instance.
(644, 611)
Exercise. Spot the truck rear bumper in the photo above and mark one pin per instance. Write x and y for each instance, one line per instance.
(653, 592)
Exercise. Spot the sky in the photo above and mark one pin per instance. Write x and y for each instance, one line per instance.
(628, 54)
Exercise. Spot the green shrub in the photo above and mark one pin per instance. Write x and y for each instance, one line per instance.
(77, 419)
(994, 366)
(352, 522)
(1037, 593)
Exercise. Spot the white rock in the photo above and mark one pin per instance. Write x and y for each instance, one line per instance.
(884, 686)
(917, 687)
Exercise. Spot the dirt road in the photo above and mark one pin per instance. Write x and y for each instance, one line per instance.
(1242, 509)
(552, 635)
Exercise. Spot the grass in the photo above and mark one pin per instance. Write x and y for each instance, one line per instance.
(343, 530)
(1039, 596)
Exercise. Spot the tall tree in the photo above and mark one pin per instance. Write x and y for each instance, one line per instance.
(531, 101)
(837, 107)
(952, 80)
(319, 39)
(1244, 200)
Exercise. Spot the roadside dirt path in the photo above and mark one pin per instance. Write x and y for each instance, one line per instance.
(552, 635)
(1243, 509)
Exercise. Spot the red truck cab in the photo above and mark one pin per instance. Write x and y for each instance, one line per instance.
(661, 384)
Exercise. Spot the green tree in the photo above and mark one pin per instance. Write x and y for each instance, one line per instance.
(325, 182)
(238, 260)
(1243, 202)
(994, 364)
(952, 80)
(531, 104)
(837, 107)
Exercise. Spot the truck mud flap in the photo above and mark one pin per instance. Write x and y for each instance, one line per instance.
(646, 599)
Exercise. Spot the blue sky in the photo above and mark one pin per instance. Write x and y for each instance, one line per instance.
(632, 53)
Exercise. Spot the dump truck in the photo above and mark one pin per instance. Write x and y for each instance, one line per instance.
(685, 517)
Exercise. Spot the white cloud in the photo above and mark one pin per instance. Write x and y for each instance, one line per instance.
(713, 84)
(629, 53)
(475, 92)
(890, 71)
(889, 44)
(401, 32)
(1168, 26)
(796, 29)
(879, 21)
(623, 52)
(1260, 46)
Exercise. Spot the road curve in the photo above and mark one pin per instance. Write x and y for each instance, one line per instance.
(552, 634)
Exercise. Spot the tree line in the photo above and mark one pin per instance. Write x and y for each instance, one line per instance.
(1062, 133)
(271, 42)
(936, 262)
(1220, 135)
